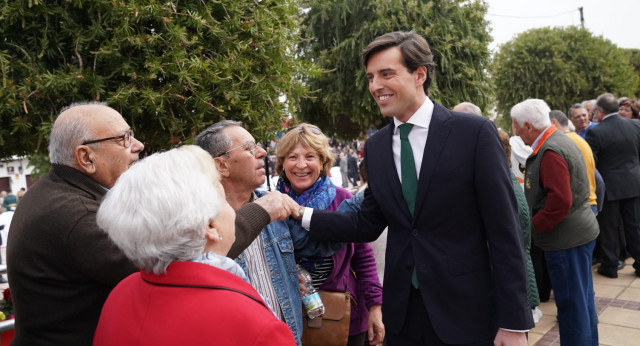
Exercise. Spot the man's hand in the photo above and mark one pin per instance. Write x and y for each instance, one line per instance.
(508, 338)
(275, 204)
(375, 325)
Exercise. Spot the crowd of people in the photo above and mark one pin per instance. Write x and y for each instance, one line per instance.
(9, 201)
(183, 247)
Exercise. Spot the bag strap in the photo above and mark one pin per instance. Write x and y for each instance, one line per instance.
(259, 301)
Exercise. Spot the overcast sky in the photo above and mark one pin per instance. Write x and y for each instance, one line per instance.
(615, 20)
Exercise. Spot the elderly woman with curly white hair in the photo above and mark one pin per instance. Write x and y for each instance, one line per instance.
(169, 216)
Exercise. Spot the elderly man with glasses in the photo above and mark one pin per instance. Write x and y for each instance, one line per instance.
(62, 266)
(269, 258)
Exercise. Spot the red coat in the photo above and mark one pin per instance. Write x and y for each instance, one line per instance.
(139, 313)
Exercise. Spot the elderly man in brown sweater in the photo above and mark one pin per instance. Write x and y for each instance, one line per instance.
(61, 264)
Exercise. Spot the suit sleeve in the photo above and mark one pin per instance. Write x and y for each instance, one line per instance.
(363, 227)
(305, 247)
(497, 205)
(593, 143)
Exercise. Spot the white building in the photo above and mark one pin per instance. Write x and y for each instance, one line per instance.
(15, 174)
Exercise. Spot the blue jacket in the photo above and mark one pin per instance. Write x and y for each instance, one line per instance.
(279, 252)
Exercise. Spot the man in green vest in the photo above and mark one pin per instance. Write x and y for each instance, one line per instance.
(564, 227)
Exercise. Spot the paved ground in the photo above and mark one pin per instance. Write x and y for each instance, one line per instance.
(618, 306)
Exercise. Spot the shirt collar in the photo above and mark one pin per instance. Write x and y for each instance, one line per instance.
(421, 118)
(534, 146)
(608, 115)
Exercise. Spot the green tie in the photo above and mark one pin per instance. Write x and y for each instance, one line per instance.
(408, 168)
(409, 177)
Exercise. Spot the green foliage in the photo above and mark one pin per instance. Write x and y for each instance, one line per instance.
(634, 60)
(336, 31)
(170, 67)
(562, 66)
(40, 164)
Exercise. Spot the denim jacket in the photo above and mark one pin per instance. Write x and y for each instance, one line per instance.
(279, 252)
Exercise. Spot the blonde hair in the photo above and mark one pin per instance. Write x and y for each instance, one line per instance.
(311, 138)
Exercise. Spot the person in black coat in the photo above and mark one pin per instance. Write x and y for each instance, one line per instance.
(352, 166)
(616, 149)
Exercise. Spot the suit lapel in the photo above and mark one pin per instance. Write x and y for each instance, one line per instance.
(436, 139)
(390, 169)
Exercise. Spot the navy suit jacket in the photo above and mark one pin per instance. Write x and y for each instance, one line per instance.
(464, 241)
(616, 149)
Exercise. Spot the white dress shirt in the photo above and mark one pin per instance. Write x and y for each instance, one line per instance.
(417, 137)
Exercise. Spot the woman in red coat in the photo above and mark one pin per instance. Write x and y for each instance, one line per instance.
(169, 215)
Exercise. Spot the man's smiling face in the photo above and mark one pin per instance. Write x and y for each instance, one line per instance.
(397, 91)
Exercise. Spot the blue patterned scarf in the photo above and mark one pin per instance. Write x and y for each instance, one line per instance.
(318, 196)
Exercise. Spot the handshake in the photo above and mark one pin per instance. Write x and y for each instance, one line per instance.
(280, 206)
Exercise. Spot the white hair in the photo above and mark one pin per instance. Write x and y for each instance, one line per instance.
(534, 111)
(588, 102)
(468, 107)
(159, 210)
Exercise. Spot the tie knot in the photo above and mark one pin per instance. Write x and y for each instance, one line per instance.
(404, 130)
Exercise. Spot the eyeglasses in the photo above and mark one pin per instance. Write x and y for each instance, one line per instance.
(126, 139)
(314, 129)
(252, 147)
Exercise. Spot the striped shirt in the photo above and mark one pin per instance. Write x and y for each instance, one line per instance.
(259, 274)
(321, 268)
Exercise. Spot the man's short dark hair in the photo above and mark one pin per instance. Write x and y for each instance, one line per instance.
(560, 117)
(414, 48)
(608, 103)
(214, 140)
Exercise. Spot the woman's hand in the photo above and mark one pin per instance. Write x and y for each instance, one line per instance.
(376, 327)
(301, 285)
(295, 209)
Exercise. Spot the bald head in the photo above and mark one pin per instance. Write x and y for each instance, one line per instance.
(103, 160)
(69, 130)
(467, 107)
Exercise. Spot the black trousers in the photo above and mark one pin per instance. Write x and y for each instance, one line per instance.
(627, 212)
(417, 329)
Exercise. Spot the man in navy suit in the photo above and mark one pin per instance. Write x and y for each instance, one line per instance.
(616, 149)
(455, 271)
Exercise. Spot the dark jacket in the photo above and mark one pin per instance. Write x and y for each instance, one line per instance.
(62, 265)
(616, 148)
(465, 201)
(579, 226)
(352, 164)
